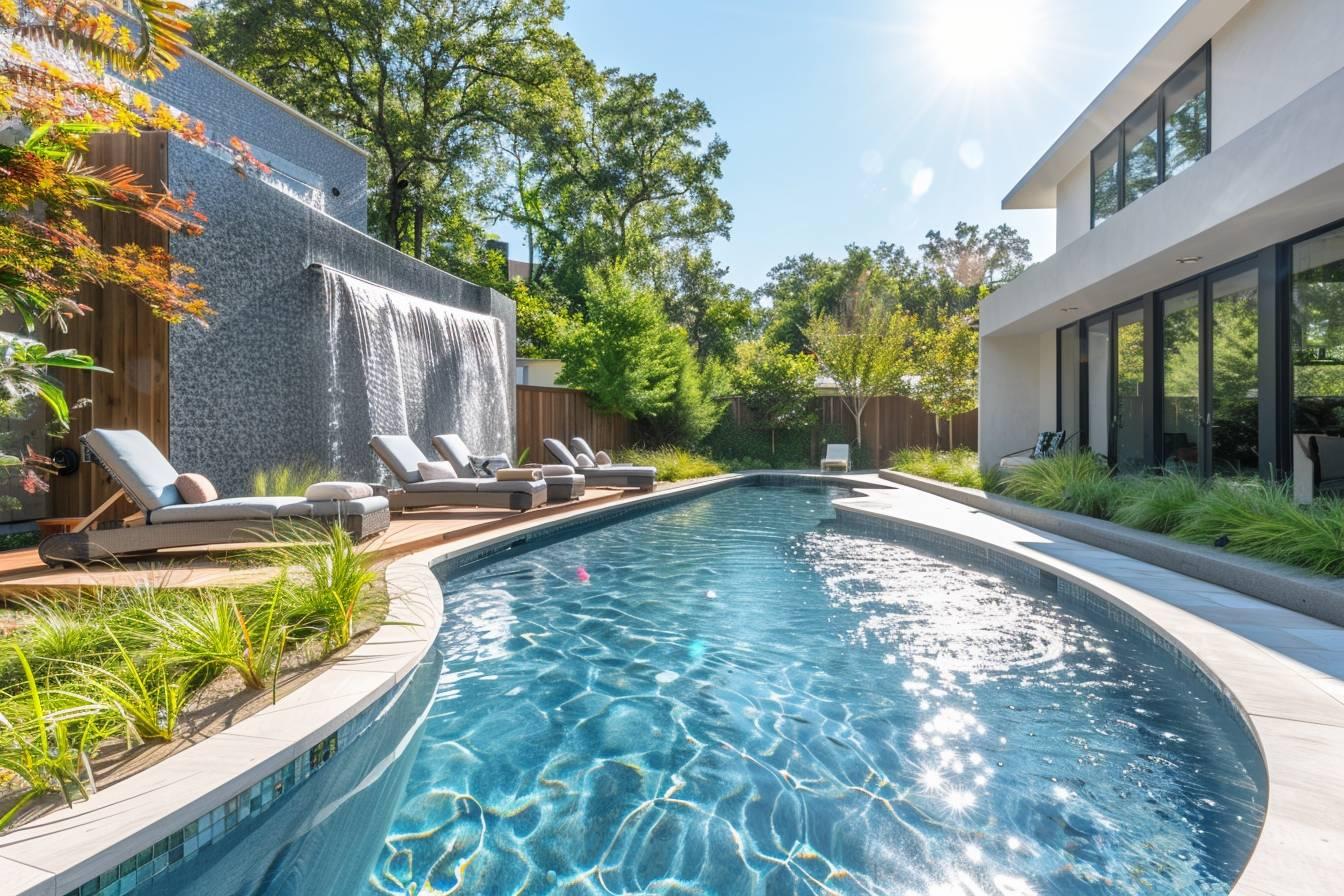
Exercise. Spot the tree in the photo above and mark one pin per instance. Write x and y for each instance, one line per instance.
(778, 387)
(973, 260)
(423, 84)
(622, 355)
(868, 354)
(54, 81)
(698, 298)
(947, 363)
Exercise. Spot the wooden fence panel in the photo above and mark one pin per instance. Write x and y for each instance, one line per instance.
(120, 333)
(549, 412)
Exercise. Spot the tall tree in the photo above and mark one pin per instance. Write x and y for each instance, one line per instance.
(972, 259)
(421, 83)
(698, 298)
(868, 353)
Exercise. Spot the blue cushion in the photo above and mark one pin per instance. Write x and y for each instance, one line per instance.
(137, 465)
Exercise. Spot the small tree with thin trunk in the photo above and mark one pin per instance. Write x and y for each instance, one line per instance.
(947, 358)
(776, 385)
(868, 355)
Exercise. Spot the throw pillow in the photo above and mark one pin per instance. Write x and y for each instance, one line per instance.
(431, 470)
(195, 488)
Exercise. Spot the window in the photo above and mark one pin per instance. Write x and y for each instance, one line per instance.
(1069, 383)
(1182, 416)
(1106, 179)
(1141, 169)
(1186, 100)
(1163, 137)
(1316, 342)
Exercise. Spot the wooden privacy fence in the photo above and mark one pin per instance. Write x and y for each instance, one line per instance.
(549, 412)
(889, 424)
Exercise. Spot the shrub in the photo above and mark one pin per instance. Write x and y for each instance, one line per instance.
(959, 467)
(674, 464)
(290, 480)
(1155, 503)
(1078, 482)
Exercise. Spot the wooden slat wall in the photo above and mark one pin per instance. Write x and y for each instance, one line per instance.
(890, 423)
(121, 334)
(545, 412)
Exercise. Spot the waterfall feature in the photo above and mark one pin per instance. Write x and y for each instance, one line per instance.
(402, 364)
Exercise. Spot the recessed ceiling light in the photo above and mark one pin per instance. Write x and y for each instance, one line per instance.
(1189, 259)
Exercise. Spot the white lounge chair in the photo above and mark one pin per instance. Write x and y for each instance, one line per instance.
(444, 488)
(562, 482)
(600, 459)
(837, 458)
(641, 478)
(146, 477)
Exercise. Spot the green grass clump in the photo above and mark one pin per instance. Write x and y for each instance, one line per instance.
(1155, 503)
(674, 464)
(287, 479)
(123, 663)
(1077, 482)
(959, 467)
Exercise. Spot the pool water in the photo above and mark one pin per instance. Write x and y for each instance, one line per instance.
(734, 696)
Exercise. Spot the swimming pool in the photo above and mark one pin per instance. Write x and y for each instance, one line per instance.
(732, 695)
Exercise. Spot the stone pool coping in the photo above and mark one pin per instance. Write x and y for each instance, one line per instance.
(1279, 668)
(63, 850)
(1293, 706)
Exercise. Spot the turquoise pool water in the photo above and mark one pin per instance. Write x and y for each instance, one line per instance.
(733, 696)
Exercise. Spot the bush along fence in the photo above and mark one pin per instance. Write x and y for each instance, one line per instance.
(890, 424)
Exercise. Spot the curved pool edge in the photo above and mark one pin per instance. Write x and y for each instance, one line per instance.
(1299, 729)
(61, 852)
(1291, 708)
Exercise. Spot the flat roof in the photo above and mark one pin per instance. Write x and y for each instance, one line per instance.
(1189, 28)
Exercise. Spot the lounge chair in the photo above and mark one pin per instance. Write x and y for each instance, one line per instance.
(146, 477)
(562, 483)
(405, 459)
(837, 458)
(1048, 444)
(582, 449)
(641, 478)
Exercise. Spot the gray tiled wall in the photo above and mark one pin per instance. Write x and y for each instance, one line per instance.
(275, 133)
(255, 388)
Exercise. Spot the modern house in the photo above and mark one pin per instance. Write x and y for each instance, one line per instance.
(1193, 312)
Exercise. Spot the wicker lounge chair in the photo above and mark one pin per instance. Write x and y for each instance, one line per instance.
(404, 458)
(837, 458)
(641, 478)
(562, 483)
(582, 449)
(145, 476)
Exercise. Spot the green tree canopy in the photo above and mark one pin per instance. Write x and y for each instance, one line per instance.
(869, 352)
(946, 360)
(777, 386)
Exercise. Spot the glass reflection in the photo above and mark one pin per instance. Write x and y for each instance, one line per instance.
(1106, 179)
(1099, 386)
(1068, 380)
(1235, 394)
(1316, 334)
(1129, 387)
(1180, 381)
(1141, 134)
(1187, 125)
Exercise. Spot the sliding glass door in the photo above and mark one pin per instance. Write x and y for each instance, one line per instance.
(1211, 373)
(1098, 357)
(1131, 410)
(1234, 393)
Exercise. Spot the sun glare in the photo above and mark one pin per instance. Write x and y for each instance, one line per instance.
(981, 42)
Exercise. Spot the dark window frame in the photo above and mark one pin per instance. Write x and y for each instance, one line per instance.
(1159, 97)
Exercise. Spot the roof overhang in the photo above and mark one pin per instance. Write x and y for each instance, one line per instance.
(1175, 42)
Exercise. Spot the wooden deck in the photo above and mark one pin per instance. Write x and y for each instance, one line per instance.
(22, 573)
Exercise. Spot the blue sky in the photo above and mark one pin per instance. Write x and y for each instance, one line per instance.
(856, 120)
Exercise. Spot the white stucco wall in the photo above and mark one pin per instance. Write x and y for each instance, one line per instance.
(1073, 205)
(1011, 392)
(1270, 54)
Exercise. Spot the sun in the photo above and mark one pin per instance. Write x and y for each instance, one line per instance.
(981, 43)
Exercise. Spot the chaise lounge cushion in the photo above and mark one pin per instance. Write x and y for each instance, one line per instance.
(400, 454)
(495, 485)
(452, 449)
(442, 486)
(230, 509)
(137, 465)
